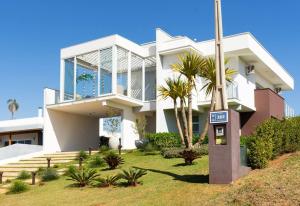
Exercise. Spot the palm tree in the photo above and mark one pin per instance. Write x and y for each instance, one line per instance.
(208, 73)
(190, 65)
(171, 90)
(13, 106)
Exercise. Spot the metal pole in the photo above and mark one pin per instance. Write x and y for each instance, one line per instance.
(1, 176)
(48, 161)
(33, 174)
(90, 151)
(221, 95)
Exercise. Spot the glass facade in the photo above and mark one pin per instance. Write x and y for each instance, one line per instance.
(150, 79)
(106, 71)
(136, 77)
(69, 79)
(91, 74)
(87, 75)
(122, 70)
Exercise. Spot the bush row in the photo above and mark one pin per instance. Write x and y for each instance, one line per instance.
(169, 139)
(272, 138)
(175, 152)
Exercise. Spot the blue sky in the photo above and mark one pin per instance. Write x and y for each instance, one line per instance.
(32, 33)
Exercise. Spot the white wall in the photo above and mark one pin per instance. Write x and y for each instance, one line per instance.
(246, 84)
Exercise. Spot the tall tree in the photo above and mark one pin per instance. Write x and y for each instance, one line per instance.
(208, 74)
(189, 66)
(13, 106)
(171, 90)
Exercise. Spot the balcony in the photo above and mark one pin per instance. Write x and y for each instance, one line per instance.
(106, 72)
(232, 94)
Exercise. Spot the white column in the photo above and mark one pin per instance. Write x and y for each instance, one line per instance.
(129, 75)
(75, 76)
(99, 72)
(143, 80)
(62, 80)
(129, 135)
(114, 69)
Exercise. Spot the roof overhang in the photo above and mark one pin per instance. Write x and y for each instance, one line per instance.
(27, 124)
(97, 107)
(103, 43)
(178, 45)
(251, 51)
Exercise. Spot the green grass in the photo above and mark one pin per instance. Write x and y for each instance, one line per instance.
(169, 183)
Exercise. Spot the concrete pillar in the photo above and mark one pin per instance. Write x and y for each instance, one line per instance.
(224, 159)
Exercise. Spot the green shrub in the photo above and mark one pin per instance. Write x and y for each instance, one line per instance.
(175, 152)
(163, 140)
(103, 148)
(83, 177)
(82, 154)
(109, 181)
(23, 175)
(189, 156)
(258, 152)
(18, 186)
(48, 174)
(169, 139)
(96, 161)
(70, 169)
(113, 160)
(132, 176)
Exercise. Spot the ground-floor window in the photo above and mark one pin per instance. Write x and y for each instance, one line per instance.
(27, 141)
(196, 124)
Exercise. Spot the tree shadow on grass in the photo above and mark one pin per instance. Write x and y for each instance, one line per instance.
(184, 178)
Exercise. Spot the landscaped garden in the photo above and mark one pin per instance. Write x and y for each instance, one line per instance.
(162, 171)
(169, 182)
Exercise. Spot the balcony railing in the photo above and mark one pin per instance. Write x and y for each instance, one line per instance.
(288, 111)
(232, 93)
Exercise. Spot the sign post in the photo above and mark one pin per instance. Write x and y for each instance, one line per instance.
(224, 129)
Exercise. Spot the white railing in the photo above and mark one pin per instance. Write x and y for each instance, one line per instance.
(232, 93)
(288, 111)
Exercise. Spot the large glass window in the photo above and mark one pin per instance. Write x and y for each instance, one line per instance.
(106, 71)
(150, 79)
(136, 77)
(87, 75)
(69, 79)
(122, 71)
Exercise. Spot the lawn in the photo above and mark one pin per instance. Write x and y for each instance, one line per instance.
(170, 183)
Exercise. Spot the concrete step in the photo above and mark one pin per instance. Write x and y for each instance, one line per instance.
(33, 161)
(52, 158)
(15, 174)
(18, 169)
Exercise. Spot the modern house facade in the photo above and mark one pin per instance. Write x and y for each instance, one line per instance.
(113, 76)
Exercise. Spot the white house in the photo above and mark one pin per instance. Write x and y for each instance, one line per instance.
(115, 75)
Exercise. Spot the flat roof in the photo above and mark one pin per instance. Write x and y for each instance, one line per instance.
(26, 124)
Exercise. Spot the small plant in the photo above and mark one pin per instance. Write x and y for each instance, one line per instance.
(18, 186)
(55, 166)
(96, 161)
(189, 156)
(109, 181)
(132, 176)
(83, 177)
(24, 175)
(113, 160)
(70, 169)
(82, 154)
(48, 174)
(104, 148)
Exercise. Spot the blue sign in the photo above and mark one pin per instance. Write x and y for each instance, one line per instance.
(218, 117)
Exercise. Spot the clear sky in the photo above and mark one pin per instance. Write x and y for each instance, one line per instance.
(32, 33)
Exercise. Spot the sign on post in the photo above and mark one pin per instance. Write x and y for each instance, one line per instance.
(218, 117)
